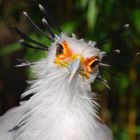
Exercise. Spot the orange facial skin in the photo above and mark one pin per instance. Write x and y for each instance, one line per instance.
(68, 56)
(87, 65)
(67, 52)
(88, 62)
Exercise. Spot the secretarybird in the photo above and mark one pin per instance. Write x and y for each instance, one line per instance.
(62, 105)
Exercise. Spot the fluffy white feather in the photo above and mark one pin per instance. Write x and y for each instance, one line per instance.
(59, 110)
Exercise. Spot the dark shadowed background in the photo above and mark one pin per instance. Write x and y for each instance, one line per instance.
(89, 19)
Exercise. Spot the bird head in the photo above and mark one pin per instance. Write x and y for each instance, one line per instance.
(78, 57)
(74, 57)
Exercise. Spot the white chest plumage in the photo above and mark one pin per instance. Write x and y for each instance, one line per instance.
(61, 107)
(58, 110)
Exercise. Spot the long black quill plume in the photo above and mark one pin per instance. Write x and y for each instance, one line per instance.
(25, 37)
(47, 16)
(25, 44)
(48, 27)
(36, 27)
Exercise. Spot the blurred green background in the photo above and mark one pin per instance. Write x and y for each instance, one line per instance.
(89, 19)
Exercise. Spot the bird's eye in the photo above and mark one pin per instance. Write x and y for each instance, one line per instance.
(60, 49)
(94, 64)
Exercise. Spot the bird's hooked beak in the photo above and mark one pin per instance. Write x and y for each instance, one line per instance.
(74, 68)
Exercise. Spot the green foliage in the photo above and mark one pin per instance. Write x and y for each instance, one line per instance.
(123, 84)
(95, 19)
(136, 18)
(33, 54)
(69, 27)
(92, 12)
(10, 49)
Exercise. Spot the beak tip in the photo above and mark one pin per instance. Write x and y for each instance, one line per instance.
(74, 68)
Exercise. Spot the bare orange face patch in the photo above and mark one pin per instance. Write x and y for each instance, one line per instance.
(87, 66)
(88, 62)
(65, 56)
(67, 52)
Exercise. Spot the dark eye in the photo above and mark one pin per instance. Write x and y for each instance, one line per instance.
(94, 64)
(60, 49)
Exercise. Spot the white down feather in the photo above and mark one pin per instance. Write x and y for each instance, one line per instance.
(58, 110)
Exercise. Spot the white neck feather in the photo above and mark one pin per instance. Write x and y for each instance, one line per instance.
(58, 110)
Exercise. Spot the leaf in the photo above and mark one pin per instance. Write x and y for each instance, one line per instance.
(123, 84)
(10, 49)
(92, 14)
(33, 54)
(69, 27)
(136, 19)
(83, 3)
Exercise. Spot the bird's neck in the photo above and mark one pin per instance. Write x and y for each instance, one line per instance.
(60, 111)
